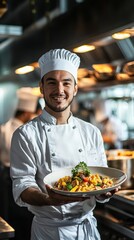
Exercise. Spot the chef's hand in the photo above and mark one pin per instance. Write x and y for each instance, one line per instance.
(107, 195)
(58, 199)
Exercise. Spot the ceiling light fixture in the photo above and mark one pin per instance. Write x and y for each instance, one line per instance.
(84, 48)
(121, 35)
(3, 7)
(25, 69)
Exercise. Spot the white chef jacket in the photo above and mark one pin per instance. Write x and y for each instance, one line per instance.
(6, 132)
(39, 147)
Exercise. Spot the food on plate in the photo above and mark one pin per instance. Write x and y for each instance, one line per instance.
(126, 153)
(82, 180)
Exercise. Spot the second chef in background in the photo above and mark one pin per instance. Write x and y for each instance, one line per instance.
(110, 126)
(27, 107)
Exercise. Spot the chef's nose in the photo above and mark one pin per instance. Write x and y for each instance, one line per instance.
(60, 88)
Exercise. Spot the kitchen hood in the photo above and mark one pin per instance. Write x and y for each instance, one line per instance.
(83, 23)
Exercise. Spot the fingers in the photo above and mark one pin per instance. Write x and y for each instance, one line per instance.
(108, 194)
(64, 199)
(47, 186)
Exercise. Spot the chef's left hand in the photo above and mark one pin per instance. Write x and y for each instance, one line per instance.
(107, 195)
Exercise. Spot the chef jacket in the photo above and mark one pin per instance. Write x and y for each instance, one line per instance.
(40, 147)
(6, 132)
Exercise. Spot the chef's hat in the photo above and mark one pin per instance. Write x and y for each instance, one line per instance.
(26, 100)
(59, 59)
(102, 109)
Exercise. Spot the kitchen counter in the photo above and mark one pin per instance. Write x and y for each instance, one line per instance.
(6, 231)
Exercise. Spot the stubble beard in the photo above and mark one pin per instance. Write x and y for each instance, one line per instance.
(55, 109)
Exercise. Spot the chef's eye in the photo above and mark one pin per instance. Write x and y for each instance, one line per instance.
(67, 83)
(51, 83)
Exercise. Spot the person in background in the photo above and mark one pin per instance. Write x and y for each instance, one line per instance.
(26, 107)
(38, 109)
(53, 140)
(110, 126)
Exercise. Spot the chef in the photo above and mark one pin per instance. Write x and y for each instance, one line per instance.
(53, 140)
(26, 107)
(110, 126)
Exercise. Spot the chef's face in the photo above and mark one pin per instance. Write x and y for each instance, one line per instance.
(58, 89)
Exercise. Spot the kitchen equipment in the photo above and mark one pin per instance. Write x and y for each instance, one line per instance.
(104, 71)
(116, 217)
(123, 160)
(129, 68)
(83, 72)
(127, 166)
(6, 231)
(123, 201)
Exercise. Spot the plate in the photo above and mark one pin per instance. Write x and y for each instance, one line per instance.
(117, 174)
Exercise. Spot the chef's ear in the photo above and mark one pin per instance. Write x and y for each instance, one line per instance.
(75, 90)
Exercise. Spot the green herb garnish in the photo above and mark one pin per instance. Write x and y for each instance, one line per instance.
(81, 167)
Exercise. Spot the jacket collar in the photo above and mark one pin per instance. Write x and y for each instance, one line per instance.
(46, 117)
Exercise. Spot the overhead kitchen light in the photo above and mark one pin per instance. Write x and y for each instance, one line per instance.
(121, 35)
(84, 48)
(25, 69)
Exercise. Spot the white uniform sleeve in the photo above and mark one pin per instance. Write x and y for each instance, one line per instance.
(23, 167)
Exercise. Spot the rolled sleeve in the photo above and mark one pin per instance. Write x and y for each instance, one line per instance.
(23, 167)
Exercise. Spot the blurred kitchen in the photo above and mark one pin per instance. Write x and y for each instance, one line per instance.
(102, 34)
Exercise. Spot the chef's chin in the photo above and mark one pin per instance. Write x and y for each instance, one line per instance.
(57, 109)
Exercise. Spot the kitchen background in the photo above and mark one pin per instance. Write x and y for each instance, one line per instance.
(29, 28)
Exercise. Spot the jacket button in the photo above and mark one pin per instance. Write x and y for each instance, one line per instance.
(49, 130)
(74, 127)
(53, 154)
(80, 150)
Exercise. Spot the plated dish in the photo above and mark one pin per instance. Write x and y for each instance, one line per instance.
(116, 176)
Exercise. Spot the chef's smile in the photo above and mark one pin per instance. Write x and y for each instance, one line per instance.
(59, 99)
(60, 102)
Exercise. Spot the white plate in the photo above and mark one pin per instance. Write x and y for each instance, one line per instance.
(117, 174)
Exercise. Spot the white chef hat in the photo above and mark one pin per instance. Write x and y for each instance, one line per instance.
(26, 100)
(59, 59)
(102, 109)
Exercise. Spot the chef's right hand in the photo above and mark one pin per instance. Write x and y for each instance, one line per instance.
(58, 199)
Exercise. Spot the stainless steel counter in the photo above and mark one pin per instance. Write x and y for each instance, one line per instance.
(116, 217)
